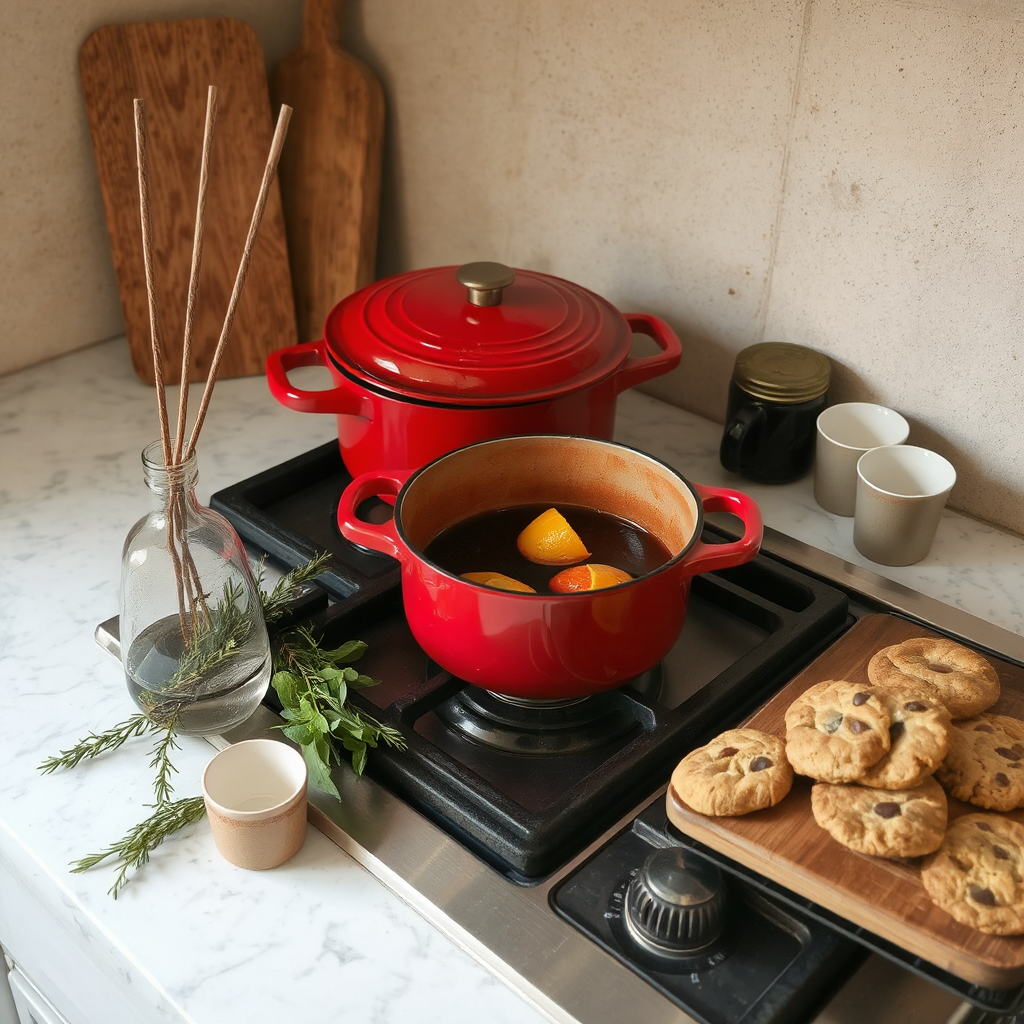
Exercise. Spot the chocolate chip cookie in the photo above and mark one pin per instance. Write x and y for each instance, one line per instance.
(977, 875)
(985, 762)
(836, 731)
(882, 822)
(918, 738)
(740, 771)
(959, 677)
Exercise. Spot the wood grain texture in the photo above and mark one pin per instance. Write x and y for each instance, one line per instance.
(330, 170)
(170, 65)
(885, 896)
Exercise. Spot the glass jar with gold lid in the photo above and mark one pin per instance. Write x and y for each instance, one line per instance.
(775, 395)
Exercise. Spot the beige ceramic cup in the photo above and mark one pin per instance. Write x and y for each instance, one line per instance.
(845, 432)
(901, 492)
(255, 794)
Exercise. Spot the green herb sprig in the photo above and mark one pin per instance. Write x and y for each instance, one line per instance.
(215, 641)
(134, 849)
(311, 682)
(276, 602)
(312, 685)
(98, 743)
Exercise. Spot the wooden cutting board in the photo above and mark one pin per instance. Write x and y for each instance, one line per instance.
(330, 169)
(170, 65)
(785, 844)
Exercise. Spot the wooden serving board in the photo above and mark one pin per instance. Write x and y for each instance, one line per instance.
(330, 169)
(785, 844)
(170, 65)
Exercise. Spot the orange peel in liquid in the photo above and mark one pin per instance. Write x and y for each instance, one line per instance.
(498, 580)
(588, 577)
(550, 540)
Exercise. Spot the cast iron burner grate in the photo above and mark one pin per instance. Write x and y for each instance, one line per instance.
(535, 726)
(748, 630)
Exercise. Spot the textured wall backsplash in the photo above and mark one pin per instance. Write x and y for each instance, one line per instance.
(843, 174)
(59, 291)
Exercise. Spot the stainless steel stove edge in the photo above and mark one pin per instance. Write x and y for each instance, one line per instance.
(557, 969)
(512, 931)
(856, 579)
(508, 928)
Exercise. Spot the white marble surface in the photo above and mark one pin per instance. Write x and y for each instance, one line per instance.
(192, 938)
(972, 565)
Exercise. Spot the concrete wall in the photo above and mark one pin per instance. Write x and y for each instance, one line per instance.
(844, 174)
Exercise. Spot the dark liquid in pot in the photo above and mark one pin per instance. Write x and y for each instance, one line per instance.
(487, 543)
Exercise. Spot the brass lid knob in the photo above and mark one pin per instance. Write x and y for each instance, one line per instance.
(484, 282)
(779, 372)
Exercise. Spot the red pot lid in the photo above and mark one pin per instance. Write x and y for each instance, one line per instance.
(480, 334)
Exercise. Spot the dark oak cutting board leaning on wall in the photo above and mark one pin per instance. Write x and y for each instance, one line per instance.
(330, 169)
(170, 66)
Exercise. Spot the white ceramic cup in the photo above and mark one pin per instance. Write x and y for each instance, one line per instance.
(255, 795)
(845, 432)
(901, 492)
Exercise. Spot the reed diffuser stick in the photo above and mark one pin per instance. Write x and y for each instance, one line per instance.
(243, 269)
(193, 281)
(147, 258)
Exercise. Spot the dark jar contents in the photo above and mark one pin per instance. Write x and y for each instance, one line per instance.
(775, 396)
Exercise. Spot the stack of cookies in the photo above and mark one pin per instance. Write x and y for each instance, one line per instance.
(884, 756)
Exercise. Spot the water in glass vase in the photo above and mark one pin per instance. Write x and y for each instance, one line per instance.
(193, 638)
(209, 684)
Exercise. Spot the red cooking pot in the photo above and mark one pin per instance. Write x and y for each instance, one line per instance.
(427, 362)
(547, 646)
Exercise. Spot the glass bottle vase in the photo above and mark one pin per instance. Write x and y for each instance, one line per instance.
(194, 643)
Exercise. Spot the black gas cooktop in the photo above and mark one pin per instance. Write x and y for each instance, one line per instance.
(526, 785)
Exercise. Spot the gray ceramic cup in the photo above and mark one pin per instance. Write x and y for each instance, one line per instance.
(844, 433)
(901, 492)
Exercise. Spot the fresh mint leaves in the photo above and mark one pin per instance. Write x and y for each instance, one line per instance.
(313, 684)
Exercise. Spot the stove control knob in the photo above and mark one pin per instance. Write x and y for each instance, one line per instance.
(675, 904)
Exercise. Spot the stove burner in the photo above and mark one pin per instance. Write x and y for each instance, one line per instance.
(524, 726)
(528, 799)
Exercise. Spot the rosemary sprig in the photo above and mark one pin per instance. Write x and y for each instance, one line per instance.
(190, 669)
(97, 743)
(275, 603)
(311, 682)
(134, 849)
(211, 645)
(162, 763)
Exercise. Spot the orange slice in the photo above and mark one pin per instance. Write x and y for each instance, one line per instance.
(497, 580)
(587, 577)
(550, 540)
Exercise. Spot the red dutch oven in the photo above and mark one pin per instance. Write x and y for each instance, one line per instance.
(430, 361)
(547, 646)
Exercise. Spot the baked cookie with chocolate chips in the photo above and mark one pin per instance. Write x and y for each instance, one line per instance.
(977, 875)
(740, 771)
(985, 762)
(918, 738)
(959, 677)
(836, 730)
(882, 822)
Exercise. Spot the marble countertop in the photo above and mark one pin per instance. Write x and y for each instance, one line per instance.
(191, 937)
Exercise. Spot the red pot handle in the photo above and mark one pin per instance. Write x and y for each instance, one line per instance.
(637, 369)
(381, 537)
(708, 557)
(308, 353)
